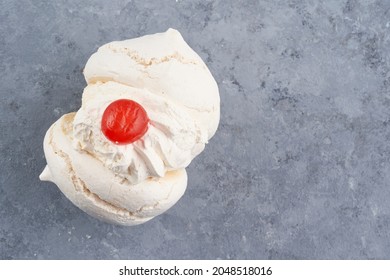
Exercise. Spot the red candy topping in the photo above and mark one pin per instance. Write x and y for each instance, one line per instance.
(124, 121)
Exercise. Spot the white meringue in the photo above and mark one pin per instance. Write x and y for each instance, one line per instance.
(130, 184)
(164, 64)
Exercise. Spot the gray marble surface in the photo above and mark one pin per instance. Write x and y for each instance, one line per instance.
(299, 168)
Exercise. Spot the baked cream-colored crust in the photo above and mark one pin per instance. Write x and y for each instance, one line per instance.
(96, 190)
(164, 64)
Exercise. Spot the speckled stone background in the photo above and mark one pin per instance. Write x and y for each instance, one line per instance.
(299, 168)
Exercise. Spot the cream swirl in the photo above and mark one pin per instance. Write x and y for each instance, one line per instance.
(173, 138)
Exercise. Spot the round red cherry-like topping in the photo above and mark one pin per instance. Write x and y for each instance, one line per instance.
(124, 121)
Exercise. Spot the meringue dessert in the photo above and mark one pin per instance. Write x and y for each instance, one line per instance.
(149, 107)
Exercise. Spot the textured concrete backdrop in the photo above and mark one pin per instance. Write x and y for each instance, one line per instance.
(299, 168)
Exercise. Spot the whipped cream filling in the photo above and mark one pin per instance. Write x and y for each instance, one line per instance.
(172, 140)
